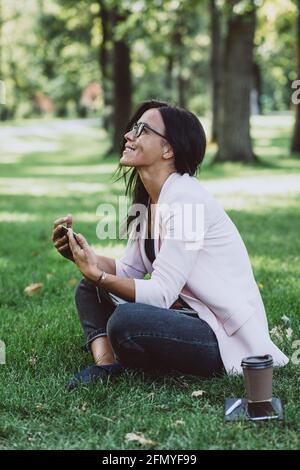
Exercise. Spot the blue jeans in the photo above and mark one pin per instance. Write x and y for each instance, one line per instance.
(150, 338)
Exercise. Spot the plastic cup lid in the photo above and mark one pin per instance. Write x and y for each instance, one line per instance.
(257, 362)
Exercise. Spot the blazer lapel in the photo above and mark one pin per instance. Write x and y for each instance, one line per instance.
(144, 234)
(157, 224)
(158, 221)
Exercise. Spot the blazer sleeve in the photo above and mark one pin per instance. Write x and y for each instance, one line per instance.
(176, 259)
(131, 264)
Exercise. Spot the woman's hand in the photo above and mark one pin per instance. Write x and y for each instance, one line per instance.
(62, 243)
(84, 257)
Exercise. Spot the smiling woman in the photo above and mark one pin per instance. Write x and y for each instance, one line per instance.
(201, 311)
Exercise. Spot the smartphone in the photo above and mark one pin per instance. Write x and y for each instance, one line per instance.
(261, 410)
(64, 231)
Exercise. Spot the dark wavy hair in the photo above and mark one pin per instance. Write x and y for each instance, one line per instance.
(183, 131)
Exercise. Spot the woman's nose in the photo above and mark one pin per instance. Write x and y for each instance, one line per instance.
(129, 135)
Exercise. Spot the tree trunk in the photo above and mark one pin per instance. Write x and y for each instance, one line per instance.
(122, 88)
(182, 85)
(104, 66)
(216, 67)
(1, 20)
(2, 107)
(234, 142)
(295, 147)
(257, 80)
(169, 75)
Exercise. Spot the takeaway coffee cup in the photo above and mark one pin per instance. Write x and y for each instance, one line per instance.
(258, 375)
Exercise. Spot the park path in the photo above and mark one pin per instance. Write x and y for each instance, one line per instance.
(283, 184)
(43, 136)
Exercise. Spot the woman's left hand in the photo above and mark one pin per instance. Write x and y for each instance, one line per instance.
(84, 257)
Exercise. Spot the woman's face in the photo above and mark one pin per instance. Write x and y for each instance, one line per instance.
(147, 149)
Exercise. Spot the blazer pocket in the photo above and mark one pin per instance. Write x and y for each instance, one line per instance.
(236, 321)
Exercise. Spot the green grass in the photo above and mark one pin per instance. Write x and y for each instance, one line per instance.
(42, 332)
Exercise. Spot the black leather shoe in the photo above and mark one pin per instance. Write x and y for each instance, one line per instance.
(94, 373)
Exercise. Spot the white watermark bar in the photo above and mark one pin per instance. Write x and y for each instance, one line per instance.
(2, 92)
(183, 222)
(2, 352)
(296, 94)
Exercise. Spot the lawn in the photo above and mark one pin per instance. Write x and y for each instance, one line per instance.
(50, 168)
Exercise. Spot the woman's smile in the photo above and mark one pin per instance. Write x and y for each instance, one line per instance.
(129, 148)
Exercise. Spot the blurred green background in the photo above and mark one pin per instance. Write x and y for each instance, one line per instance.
(224, 60)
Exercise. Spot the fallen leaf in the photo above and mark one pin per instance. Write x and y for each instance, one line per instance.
(260, 285)
(33, 288)
(139, 437)
(198, 393)
(34, 253)
(49, 276)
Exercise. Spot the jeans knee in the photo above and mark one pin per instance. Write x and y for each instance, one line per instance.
(82, 287)
(120, 322)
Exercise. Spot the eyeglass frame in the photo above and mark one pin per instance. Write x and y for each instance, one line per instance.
(142, 125)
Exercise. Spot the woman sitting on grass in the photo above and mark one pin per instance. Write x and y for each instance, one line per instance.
(201, 312)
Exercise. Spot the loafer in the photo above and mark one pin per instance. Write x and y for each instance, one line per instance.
(94, 373)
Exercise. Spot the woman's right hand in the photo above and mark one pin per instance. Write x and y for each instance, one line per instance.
(62, 243)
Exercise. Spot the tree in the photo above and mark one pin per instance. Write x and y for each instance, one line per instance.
(234, 142)
(114, 61)
(275, 53)
(104, 62)
(216, 65)
(184, 23)
(122, 84)
(296, 137)
(1, 73)
(1, 19)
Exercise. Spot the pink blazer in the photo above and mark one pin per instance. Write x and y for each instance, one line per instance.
(213, 275)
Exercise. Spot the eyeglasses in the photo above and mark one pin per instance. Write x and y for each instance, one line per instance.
(138, 128)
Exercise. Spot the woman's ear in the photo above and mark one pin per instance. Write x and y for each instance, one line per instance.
(168, 151)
